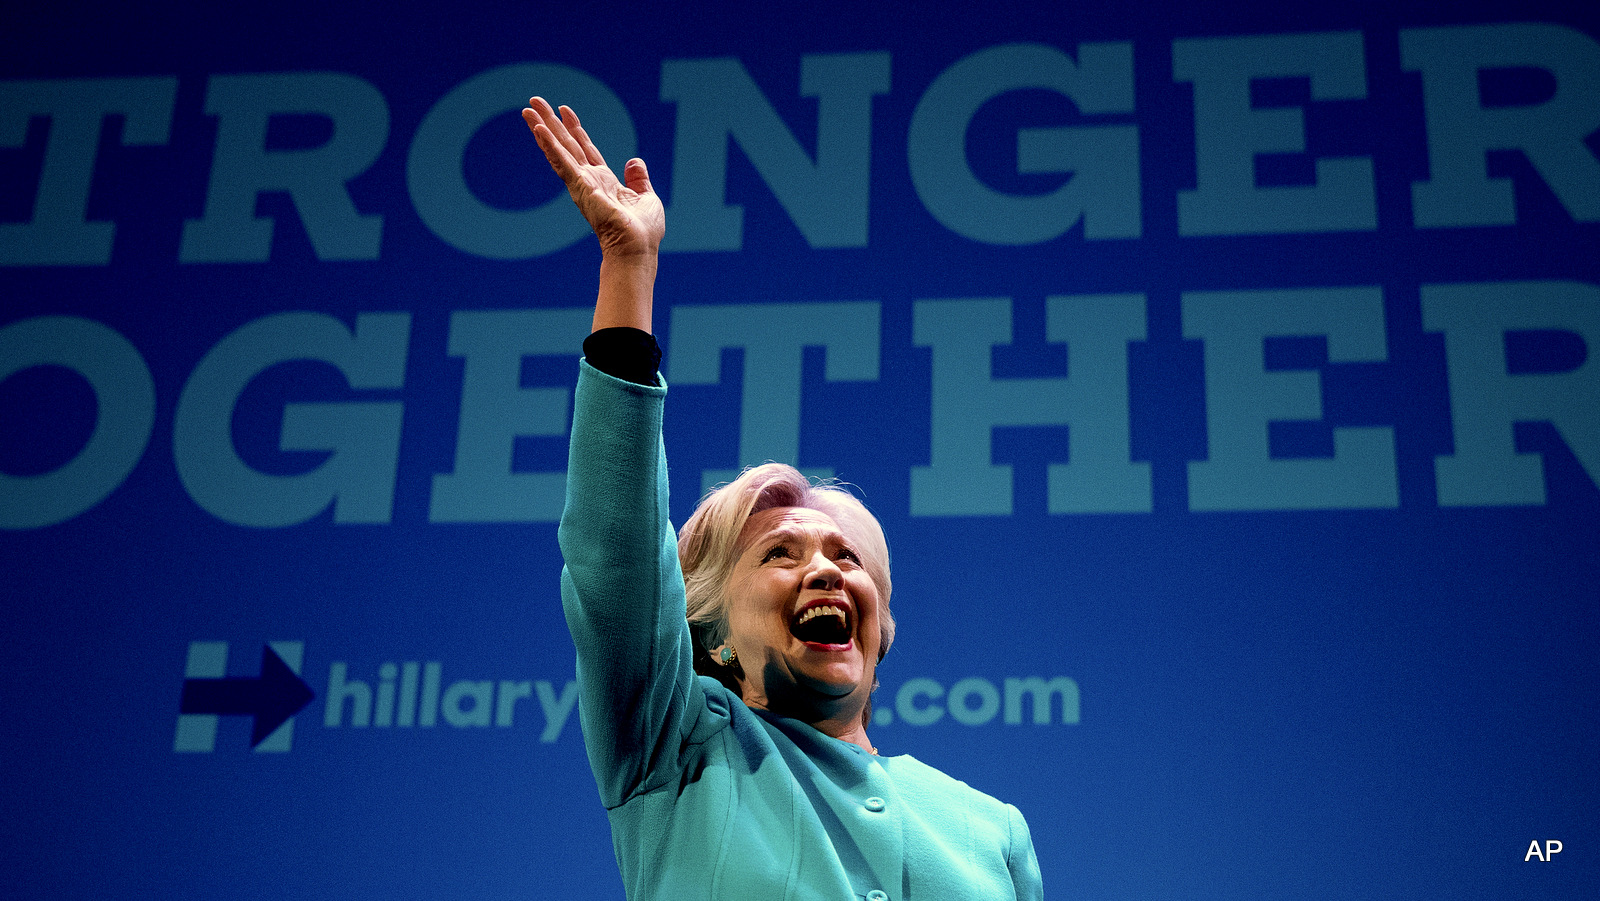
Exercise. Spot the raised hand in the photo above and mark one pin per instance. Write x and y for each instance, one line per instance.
(626, 215)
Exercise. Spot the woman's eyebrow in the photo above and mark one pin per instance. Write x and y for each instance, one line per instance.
(782, 534)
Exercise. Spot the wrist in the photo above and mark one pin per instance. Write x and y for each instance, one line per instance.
(641, 259)
(627, 286)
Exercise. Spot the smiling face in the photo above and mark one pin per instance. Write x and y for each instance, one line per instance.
(803, 616)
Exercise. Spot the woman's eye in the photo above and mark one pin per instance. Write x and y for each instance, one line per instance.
(776, 553)
(847, 554)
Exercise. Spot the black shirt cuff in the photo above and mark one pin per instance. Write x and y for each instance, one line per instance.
(625, 353)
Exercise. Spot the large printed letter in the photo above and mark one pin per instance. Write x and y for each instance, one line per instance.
(717, 100)
(496, 410)
(244, 167)
(358, 478)
(1462, 131)
(773, 337)
(58, 234)
(1100, 475)
(969, 403)
(125, 401)
(1103, 189)
(1042, 692)
(1229, 134)
(1242, 397)
(438, 184)
(1486, 399)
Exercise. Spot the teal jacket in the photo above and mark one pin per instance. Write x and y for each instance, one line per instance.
(709, 799)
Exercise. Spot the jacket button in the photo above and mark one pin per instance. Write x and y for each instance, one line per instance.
(876, 895)
(875, 804)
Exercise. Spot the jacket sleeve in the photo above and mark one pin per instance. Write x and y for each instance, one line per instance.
(622, 590)
(1022, 861)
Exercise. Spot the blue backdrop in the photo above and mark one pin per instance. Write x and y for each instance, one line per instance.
(1222, 374)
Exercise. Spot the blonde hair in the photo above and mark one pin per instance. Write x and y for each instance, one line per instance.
(708, 547)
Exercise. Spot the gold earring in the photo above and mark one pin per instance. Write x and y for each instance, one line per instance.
(727, 655)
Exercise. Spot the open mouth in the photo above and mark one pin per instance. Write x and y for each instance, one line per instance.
(824, 624)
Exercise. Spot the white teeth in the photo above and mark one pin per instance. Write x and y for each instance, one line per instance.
(825, 609)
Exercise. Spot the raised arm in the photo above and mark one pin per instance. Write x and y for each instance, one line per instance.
(621, 588)
(626, 214)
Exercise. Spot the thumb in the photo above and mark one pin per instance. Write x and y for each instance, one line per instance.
(636, 176)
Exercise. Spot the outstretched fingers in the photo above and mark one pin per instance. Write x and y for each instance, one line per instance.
(558, 128)
(581, 137)
(549, 132)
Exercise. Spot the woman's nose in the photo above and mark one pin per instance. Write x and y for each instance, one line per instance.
(825, 575)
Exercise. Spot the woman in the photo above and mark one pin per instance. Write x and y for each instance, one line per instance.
(754, 779)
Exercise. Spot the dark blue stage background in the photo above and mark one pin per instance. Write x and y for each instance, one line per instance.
(1224, 376)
